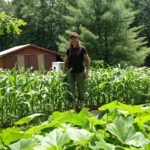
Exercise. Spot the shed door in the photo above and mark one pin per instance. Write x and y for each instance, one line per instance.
(48, 59)
(31, 61)
(10, 61)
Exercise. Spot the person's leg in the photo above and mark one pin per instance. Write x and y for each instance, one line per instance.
(80, 87)
(71, 89)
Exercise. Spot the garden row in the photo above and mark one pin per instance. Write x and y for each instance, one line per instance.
(25, 92)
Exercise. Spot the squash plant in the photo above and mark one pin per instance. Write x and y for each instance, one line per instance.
(116, 126)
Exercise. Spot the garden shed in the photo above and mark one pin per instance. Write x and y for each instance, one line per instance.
(28, 56)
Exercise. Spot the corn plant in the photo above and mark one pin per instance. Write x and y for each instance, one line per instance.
(129, 85)
(26, 92)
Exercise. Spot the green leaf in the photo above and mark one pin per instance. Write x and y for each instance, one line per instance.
(38, 129)
(93, 122)
(61, 117)
(143, 118)
(110, 106)
(23, 144)
(78, 134)
(80, 119)
(147, 147)
(27, 119)
(10, 135)
(56, 138)
(100, 144)
(10, 24)
(125, 108)
(124, 130)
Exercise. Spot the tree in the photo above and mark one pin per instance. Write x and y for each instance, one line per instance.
(104, 27)
(142, 17)
(9, 24)
(44, 21)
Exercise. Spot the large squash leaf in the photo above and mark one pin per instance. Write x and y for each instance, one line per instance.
(99, 143)
(78, 134)
(80, 119)
(125, 132)
(10, 135)
(23, 144)
(54, 139)
(126, 108)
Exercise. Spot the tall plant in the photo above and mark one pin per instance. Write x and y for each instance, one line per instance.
(104, 28)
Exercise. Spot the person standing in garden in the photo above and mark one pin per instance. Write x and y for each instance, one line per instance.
(77, 64)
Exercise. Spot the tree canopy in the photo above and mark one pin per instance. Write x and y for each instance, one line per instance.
(114, 31)
(9, 24)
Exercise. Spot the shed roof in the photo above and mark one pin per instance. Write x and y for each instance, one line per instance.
(17, 48)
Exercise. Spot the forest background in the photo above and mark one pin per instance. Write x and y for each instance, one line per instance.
(114, 31)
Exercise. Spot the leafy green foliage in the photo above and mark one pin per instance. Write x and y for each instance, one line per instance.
(24, 93)
(26, 119)
(28, 93)
(113, 31)
(124, 130)
(119, 133)
(44, 27)
(129, 85)
(105, 30)
(99, 142)
(9, 24)
(10, 135)
(23, 144)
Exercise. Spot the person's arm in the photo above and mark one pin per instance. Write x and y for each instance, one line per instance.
(65, 64)
(87, 64)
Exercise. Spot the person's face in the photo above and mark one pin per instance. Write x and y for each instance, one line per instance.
(74, 40)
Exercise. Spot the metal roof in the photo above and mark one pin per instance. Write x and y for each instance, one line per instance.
(16, 48)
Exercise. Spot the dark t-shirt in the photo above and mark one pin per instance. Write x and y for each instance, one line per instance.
(75, 56)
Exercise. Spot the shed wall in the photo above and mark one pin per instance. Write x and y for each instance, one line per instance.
(28, 57)
(1, 63)
(10, 61)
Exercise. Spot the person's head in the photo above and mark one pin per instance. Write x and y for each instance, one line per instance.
(74, 40)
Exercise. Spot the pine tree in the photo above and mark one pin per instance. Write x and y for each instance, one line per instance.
(104, 27)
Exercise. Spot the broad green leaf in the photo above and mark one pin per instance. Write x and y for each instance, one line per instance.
(27, 119)
(94, 121)
(61, 117)
(80, 119)
(56, 139)
(78, 134)
(141, 120)
(23, 144)
(126, 108)
(124, 130)
(101, 144)
(110, 106)
(10, 135)
(38, 129)
(145, 117)
(108, 116)
(147, 147)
